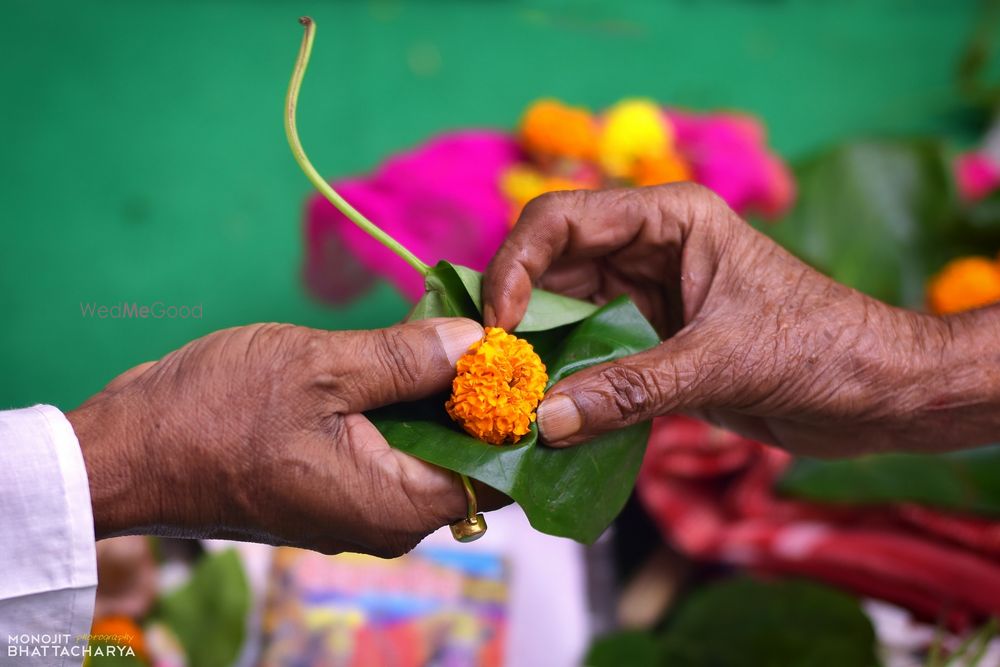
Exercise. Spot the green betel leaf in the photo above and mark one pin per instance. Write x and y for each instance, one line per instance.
(967, 481)
(756, 619)
(741, 622)
(209, 613)
(875, 215)
(635, 648)
(574, 492)
(545, 311)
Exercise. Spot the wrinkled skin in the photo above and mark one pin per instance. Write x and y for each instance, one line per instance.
(755, 340)
(256, 433)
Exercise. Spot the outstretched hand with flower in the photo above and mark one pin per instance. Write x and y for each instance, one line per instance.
(256, 433)
(755, 340)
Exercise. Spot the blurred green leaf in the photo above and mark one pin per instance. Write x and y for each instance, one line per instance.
(742, 622)
(967, 481)
(574, 492)
(974, 63)
(209, 613)
(984, 216)
(634, 648)
(875, 215)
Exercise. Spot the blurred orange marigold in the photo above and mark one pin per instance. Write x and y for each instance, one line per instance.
(963, 284)
(551, 128)
(499, 384)
(123, 631)
(667, 169)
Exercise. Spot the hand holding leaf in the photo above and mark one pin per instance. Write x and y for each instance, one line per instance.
(575, 493)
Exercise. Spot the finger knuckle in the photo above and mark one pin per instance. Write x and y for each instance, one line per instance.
(398, 356)
(549, 204)
(634, 394)
(315, 350)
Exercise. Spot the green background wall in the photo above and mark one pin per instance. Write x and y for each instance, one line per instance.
(143, 158)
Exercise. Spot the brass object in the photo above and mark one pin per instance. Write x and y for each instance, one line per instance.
(473, 526)
(469, 530)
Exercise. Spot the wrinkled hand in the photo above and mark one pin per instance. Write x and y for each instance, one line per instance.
(756, 341)
(256, 433)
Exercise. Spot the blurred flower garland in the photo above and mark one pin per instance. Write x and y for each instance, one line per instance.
(458, 194)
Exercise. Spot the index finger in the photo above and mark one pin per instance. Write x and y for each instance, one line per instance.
(577, 224)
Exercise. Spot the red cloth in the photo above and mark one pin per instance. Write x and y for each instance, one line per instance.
(712, 495)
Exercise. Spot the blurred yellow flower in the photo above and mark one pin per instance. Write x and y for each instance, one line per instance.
(550, 128)
(634, 130)
(963, 284)
(520, 184)
(499, 384)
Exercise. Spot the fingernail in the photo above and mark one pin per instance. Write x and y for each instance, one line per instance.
(489, 315)
(558, 418)
(457, 336)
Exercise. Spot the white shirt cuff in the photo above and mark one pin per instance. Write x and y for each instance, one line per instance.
(47, 549)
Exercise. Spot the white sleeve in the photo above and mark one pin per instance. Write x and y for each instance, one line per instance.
(48, 565)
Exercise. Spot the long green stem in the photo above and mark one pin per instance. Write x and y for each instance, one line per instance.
(355, 216)
(291, 101)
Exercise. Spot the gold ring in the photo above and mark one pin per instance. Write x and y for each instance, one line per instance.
(473, 526)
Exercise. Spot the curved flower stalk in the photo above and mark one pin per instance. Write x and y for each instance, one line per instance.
(441, 199)
(291, 103)
(474, 525)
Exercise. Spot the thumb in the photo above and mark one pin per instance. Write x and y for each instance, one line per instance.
(400, 363)
(671, 377)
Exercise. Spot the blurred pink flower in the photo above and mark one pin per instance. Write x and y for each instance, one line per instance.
(728, 153)
(441, 200)
(977, 175)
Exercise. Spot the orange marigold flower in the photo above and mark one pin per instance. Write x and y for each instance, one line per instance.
(499, 384)
(121, 631)
(551, 128)
(669, 168)
(963, 284)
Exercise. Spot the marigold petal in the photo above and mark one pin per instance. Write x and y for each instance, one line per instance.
(498, 385)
